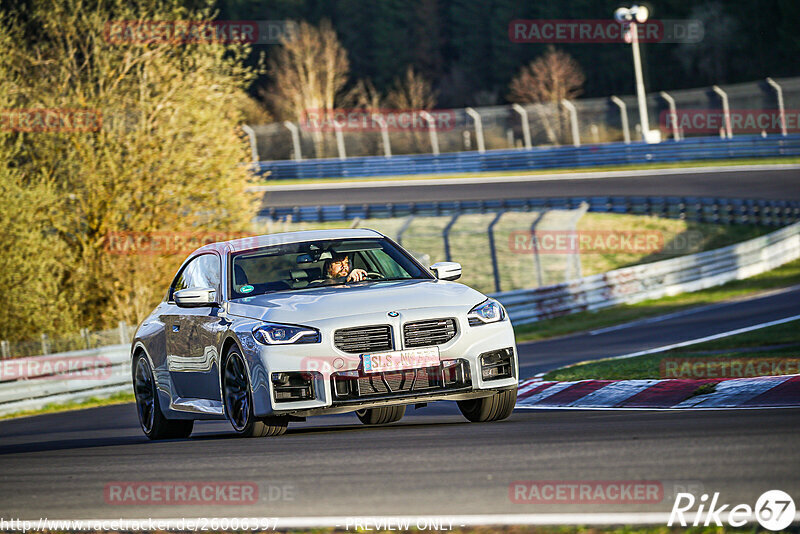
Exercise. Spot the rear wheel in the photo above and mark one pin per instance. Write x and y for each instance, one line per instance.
(381, 416)
(494, 408)
(154, 424)
(238, 398)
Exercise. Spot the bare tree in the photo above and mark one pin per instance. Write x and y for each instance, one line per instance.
(548, 80)
(309, 72)
(412, 93)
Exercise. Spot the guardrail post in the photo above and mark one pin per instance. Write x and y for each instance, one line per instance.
(432, 131)
(623, 113)
(5, 349)
(573, 119)
(446, 236)
(493, 250)
(526, 126)
(123, 333)
(726, 110)
(781, 111)
(478, 128)
(535, 242)
(673, 115)
(45, 344)
(292, 127)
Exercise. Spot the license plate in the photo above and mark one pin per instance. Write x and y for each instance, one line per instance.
(398, 360)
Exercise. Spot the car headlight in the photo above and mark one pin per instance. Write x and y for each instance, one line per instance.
(282, 334)
(488, 311)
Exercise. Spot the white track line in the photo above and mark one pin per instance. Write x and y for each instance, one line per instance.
(707, 338)
(654, 173)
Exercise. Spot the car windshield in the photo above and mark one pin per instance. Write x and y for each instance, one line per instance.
(310, 264)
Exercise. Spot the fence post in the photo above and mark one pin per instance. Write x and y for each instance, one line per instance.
(526, 127)
(781, 111)
(4, 347)
(292, 127)
(45, 345)
(86, 339)
(493, 250)
(478, 128)
(535, 242)
(673, 115)
(403, 229)
(339, 139)
(726, 110)
(446, 236)
(623, 113)
(573, 119)
(253, 146)
(387, 145)
(123, 333)
(432, 131)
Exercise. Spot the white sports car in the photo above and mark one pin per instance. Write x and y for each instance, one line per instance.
(267, 330)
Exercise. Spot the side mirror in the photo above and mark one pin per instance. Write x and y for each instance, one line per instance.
(446, 270)
(196, 297)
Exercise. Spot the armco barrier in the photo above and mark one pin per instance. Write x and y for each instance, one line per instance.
(696, 209)
(654, 280)
(694, 149)
(627, 285)
(32, 383)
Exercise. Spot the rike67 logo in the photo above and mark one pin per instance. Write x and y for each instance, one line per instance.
(774, 510)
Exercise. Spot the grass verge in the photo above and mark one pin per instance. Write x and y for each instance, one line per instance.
(721, 358)
(536, 172)
(94, 402)
(784, 276)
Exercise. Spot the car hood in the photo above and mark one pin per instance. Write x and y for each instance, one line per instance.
(308, 305)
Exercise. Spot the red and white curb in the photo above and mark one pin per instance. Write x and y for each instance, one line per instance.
(757, 392)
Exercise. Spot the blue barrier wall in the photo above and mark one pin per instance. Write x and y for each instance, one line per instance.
(700, 209)
(704, 148)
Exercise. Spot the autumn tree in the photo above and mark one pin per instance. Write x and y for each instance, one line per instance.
(548, 80)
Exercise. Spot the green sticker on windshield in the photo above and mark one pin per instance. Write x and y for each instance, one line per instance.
(246, 289)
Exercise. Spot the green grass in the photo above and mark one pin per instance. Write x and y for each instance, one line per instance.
(784, 276)
(94, 402)
(536, 172)
(776, 342)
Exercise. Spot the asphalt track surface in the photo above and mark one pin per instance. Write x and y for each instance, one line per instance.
(771, 184)
(431, 462)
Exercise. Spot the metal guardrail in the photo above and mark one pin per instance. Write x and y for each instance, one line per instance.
(697, 209)
(32, 383)
(703, 148)
(654, 280)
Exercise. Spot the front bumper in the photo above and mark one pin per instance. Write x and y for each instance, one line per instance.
(339, 385)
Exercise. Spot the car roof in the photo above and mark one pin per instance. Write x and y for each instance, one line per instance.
(249, 243)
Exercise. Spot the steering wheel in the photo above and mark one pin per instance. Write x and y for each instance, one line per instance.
(374, 276)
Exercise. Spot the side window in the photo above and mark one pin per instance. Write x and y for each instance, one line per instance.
(203, 271)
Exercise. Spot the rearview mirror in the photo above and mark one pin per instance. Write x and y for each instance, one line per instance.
(196, 297)
(446, 270)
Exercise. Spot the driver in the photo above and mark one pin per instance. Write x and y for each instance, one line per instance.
(338, 268)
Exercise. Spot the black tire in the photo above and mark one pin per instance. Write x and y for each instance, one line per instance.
(381, 416)
(495, 408)
(154, 424)
(238, 399)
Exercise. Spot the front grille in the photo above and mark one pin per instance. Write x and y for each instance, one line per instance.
(364, 339)
(429, 333)
(399, 381)
(350, 386)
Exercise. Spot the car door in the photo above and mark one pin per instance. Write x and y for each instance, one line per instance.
(193, 333)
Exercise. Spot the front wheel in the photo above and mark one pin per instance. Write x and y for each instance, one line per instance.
(238, 398)
(494, 408)
(381, 416)
(154, 424)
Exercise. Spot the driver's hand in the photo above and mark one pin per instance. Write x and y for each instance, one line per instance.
(357, 275)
